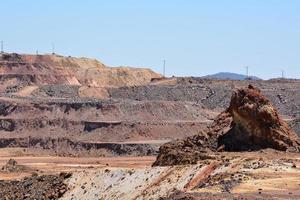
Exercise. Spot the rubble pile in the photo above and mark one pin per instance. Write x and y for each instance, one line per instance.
(35, 187)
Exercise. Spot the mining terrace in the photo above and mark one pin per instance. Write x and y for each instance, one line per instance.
(78, 129)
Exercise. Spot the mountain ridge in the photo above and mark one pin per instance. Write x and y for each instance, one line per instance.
(230, 76)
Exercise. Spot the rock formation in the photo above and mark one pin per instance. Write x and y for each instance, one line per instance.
(250, 123)
(257, 125)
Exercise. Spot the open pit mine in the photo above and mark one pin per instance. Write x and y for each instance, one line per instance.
(74, 128)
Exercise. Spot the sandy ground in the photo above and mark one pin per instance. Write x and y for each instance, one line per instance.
(264, 174)
(55, 164)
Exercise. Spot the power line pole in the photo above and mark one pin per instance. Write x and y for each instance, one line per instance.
(282, 74)
(2, 44)
(247, 72)
(53, 48)
(164, 70)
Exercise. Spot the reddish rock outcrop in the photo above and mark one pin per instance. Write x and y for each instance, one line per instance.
(250, 123)
(256, 124)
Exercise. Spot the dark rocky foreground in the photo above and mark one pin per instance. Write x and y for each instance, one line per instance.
(35, 187)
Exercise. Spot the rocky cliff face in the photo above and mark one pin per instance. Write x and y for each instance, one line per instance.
(256, 124)
(250, 123)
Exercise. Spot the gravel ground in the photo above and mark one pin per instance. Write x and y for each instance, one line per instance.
(35, 187)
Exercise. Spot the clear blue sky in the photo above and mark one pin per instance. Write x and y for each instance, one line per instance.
(196, 37)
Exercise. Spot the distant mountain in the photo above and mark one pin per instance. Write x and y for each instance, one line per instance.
(230, 76)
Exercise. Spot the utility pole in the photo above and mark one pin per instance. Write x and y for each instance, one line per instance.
(53, 48)
(282, 74)
(164, 70)
(2, 44)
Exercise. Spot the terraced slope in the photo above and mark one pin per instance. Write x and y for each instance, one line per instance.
(83, 100)
(20, 70)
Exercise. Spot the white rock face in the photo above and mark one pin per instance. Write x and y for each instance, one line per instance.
(146, 183)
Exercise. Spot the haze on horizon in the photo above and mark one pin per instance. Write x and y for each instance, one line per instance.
(195, 37)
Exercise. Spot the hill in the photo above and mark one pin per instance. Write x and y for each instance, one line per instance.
(21, 69)
(230, 76)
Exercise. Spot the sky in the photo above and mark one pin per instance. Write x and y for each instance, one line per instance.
(195, 37)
